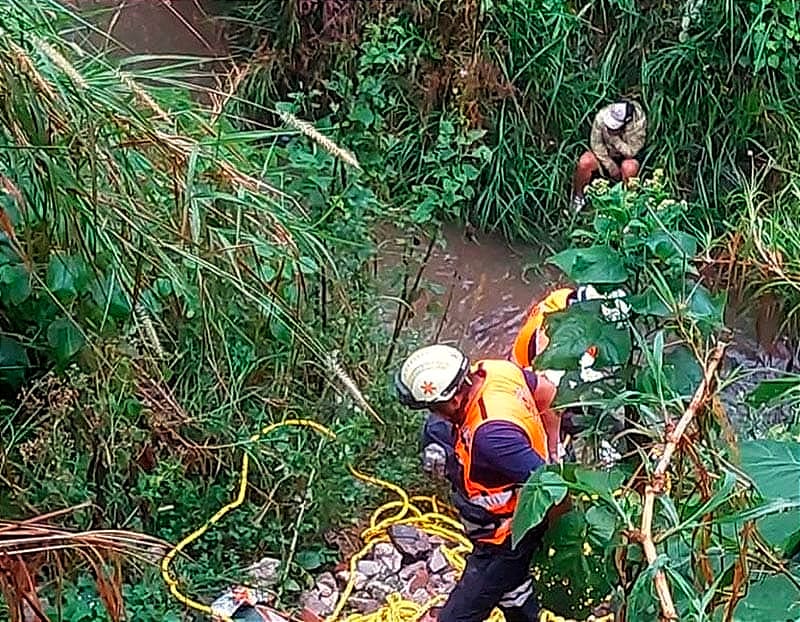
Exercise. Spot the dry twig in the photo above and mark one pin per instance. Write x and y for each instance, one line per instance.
(656, 485)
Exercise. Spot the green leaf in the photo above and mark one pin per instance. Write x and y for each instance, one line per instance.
(576, 571)
(788, 8)
(66, 275)
(16, 284)
(13, 361)
(107, 294)
(542, 490)
(602, 526)
(307, 265)
(775, 598)
(774, 467)
(362, 114)
(705, 308)
(280, 331)
(470, 172)
(602, 483)
(680, 372)
(574, 330)
(65, 338)
(672, 245)
(649, 303)
(592, 265)
(772, 390)
(309, 559)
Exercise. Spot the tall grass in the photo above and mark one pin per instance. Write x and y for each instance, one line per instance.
(708, 80)
(210, 281)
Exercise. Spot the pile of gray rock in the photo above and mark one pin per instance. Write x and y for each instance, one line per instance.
(411, 564)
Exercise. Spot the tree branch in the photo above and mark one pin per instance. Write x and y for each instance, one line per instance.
(656, 485)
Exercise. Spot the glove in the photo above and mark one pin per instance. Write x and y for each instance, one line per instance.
(434, 459)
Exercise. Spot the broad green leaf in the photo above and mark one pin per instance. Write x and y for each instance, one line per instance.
(602, 483)
(542, 490)
(578, 565)
(575, 330)
(680, 372)
(362, 114)
(592, 265)
(66, 275)
(13, 361)
(672, 245)
(107, 294)
(707, 310)
(470, 172)
(770, 391)
(648, 303)
(310, 559)
(15, 284)
(774, 467)
(65, 338)
(602, 526)
(280, 331)
(775, 598)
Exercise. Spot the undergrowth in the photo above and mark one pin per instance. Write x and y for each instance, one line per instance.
(168, 288)
(477, 111)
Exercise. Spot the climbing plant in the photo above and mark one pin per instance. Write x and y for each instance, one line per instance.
(717, 531)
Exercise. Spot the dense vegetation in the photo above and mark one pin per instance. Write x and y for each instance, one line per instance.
(176, 275)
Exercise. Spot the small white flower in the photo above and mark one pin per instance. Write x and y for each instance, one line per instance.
(591, 375)
(586, 360)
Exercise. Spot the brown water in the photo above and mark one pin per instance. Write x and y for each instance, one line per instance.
(174, 27)
(474, 290)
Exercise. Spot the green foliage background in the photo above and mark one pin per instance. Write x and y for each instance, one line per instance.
(173, 278)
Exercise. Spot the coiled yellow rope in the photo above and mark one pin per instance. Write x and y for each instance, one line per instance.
(406, 511)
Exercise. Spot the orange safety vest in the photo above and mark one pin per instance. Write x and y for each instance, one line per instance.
(531, 339)
(504, 396)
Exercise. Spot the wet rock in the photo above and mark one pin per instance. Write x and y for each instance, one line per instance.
(450, 577)
(265, 571)
(418, 581)
(389, 556)
(326, 584)
(437, 562)
(381, 590)
(369, 568)
(420, 596)
(330, 601)
(408, 572)
(343, 577)
(364, 604)
(314, 608)
(412, 543)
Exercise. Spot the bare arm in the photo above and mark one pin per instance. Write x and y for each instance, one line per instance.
(544, 395)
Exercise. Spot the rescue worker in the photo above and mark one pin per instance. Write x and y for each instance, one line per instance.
(487, 425)
(532, 339)
(618, 136)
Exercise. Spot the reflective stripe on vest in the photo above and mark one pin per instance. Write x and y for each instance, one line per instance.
(503, 396)
(531, 339)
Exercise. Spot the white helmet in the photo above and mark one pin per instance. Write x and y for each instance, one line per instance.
(431, 375)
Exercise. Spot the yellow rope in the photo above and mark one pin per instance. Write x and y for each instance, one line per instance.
(405, 511)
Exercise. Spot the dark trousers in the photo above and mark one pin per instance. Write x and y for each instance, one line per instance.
(496, 576)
